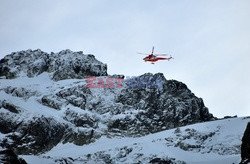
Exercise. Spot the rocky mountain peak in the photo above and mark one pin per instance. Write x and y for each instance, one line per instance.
(39, 108)
(65, 64)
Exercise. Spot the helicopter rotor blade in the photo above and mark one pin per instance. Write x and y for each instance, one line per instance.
(142, 53)
(161, 54)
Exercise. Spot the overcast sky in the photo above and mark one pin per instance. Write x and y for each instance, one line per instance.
(210, 40)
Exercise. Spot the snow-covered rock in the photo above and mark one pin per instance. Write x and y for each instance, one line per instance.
(45, 104)
(202, 143)
(63, 65)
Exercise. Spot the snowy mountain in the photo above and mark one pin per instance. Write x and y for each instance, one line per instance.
(49, 114)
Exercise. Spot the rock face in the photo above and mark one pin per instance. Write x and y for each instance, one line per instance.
(32, 136)
(168, 107)
(64, 65)
(39, 108)
(245, 146)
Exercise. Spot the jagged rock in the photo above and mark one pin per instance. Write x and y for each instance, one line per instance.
(171, 106)
(80, 120)
(51, 101)
(65, 160)
(10, 107)
(63, 65)
(19, 92)
(75, 95)
(245, 146)
(81, 136)
(99, 157)
(32, 136)
(8, 122)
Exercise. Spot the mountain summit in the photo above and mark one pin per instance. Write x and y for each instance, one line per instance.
(63, 65)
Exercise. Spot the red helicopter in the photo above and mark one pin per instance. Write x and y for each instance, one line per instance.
(153, 57)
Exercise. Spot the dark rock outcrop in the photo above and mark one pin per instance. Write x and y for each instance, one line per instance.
(18, 92)
(33, 136)
(245, 146)
(165, 161)
(8, 106)
(51, 101)
(168, 107)
(7, 156)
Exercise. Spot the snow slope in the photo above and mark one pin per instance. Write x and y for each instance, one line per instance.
(224, 146)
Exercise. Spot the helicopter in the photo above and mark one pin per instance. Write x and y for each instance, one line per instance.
(154, 57)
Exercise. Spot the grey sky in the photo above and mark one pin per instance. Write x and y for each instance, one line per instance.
(209, 40)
